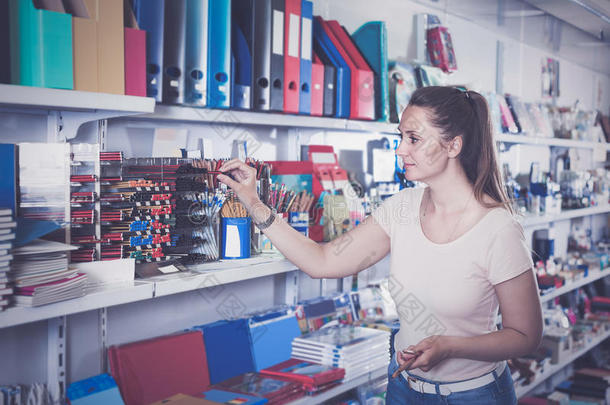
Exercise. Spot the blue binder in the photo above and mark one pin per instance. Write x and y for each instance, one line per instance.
(371, 40)
(219, 54)
(328, 53)
(272, 339)
(98, 390)
(242, 70)
(228, 349)
(306, 56)
(8, 181)
(196, 53)
(150, 15)
(242, 45)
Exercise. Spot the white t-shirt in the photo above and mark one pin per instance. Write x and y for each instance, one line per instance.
(448, 289)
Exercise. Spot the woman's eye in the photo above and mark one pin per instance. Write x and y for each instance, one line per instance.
(413, 139)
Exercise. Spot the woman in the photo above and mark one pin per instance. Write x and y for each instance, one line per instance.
(457, 254)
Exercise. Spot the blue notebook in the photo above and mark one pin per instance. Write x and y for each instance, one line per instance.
(329, 54)
(150, 15)
(226, 397)
(219, 54)
(306, 56)
(371, 40)
(98, 390)
(228, 349)
(8, 182)
(272, 340)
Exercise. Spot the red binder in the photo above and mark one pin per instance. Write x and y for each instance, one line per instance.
(135, 62)
(317, 86)
(292, 55)
(154, 369)
(362, 95)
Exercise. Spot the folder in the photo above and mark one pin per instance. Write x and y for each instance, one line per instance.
(261, 55)
(317, 87)
(8, 182)
(306, 90)
(150, 16)
(40, 46)
(372, 41)
(272, 339)
(154, 369)
(174, 45)
(110, 46)
(84, 44)
(241, 70)
(135, 55)
(292, 55)
(5, 50)
(226, 397)
(241, 44)
(277, 55)
(362, 91)
(329, 54)
(228, 348)
(98, 390)
(219, 54)
(196, 52)
(330, 87)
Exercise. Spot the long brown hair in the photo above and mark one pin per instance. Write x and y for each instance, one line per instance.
(456, 112)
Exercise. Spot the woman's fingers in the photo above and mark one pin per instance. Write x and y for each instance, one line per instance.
(228, 181)
(403, 367)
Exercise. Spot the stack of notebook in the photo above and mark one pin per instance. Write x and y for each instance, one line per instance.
(589, 385)
(276, 391)
(356, 349)
(40, 274)
(7, 234)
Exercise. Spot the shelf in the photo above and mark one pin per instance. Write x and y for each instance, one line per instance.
(206, 275)
(101, 297)
(209, 275)
(26, 97)
(523, 390)
(538, 140)
(533, 220)
(593, 276)
(340, 389)
(236, 117)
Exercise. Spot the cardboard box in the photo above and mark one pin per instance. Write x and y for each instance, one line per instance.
(182, 399)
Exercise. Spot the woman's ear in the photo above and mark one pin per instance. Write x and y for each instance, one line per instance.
(455, 147)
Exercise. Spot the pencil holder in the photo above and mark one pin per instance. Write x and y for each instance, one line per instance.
(235, 237)
(300, 222)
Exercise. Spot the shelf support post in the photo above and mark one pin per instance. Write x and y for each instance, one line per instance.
(56, 358)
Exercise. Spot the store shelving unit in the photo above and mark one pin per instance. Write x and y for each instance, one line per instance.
(207, 275)
(68, 110)
(535, 220)
(554, 368)
(593, 276)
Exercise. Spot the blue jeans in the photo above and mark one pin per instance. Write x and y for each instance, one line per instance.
(499, 392)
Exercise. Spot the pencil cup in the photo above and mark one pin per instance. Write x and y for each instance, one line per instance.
(300, 222)
(235, 237)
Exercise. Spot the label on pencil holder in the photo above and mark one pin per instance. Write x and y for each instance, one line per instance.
(235, 237)
(300, 222)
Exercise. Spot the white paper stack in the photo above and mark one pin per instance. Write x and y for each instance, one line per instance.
(7, 234)
(40, 274)
(356, 349)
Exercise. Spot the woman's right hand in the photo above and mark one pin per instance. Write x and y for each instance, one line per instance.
(244, 184)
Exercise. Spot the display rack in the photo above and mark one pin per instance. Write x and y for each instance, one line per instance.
(535, 220)
(554, 368)
(593, 276)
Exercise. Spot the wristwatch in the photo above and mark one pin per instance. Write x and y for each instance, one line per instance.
(266, 223)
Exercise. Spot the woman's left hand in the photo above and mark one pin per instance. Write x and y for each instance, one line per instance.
(433, 349)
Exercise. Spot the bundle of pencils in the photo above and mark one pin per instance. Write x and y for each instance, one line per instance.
(289, 201)
(232, 208)
(83, 178)
(83, 255)
(111, 156)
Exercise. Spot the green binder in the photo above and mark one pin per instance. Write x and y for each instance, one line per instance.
(41, 46)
